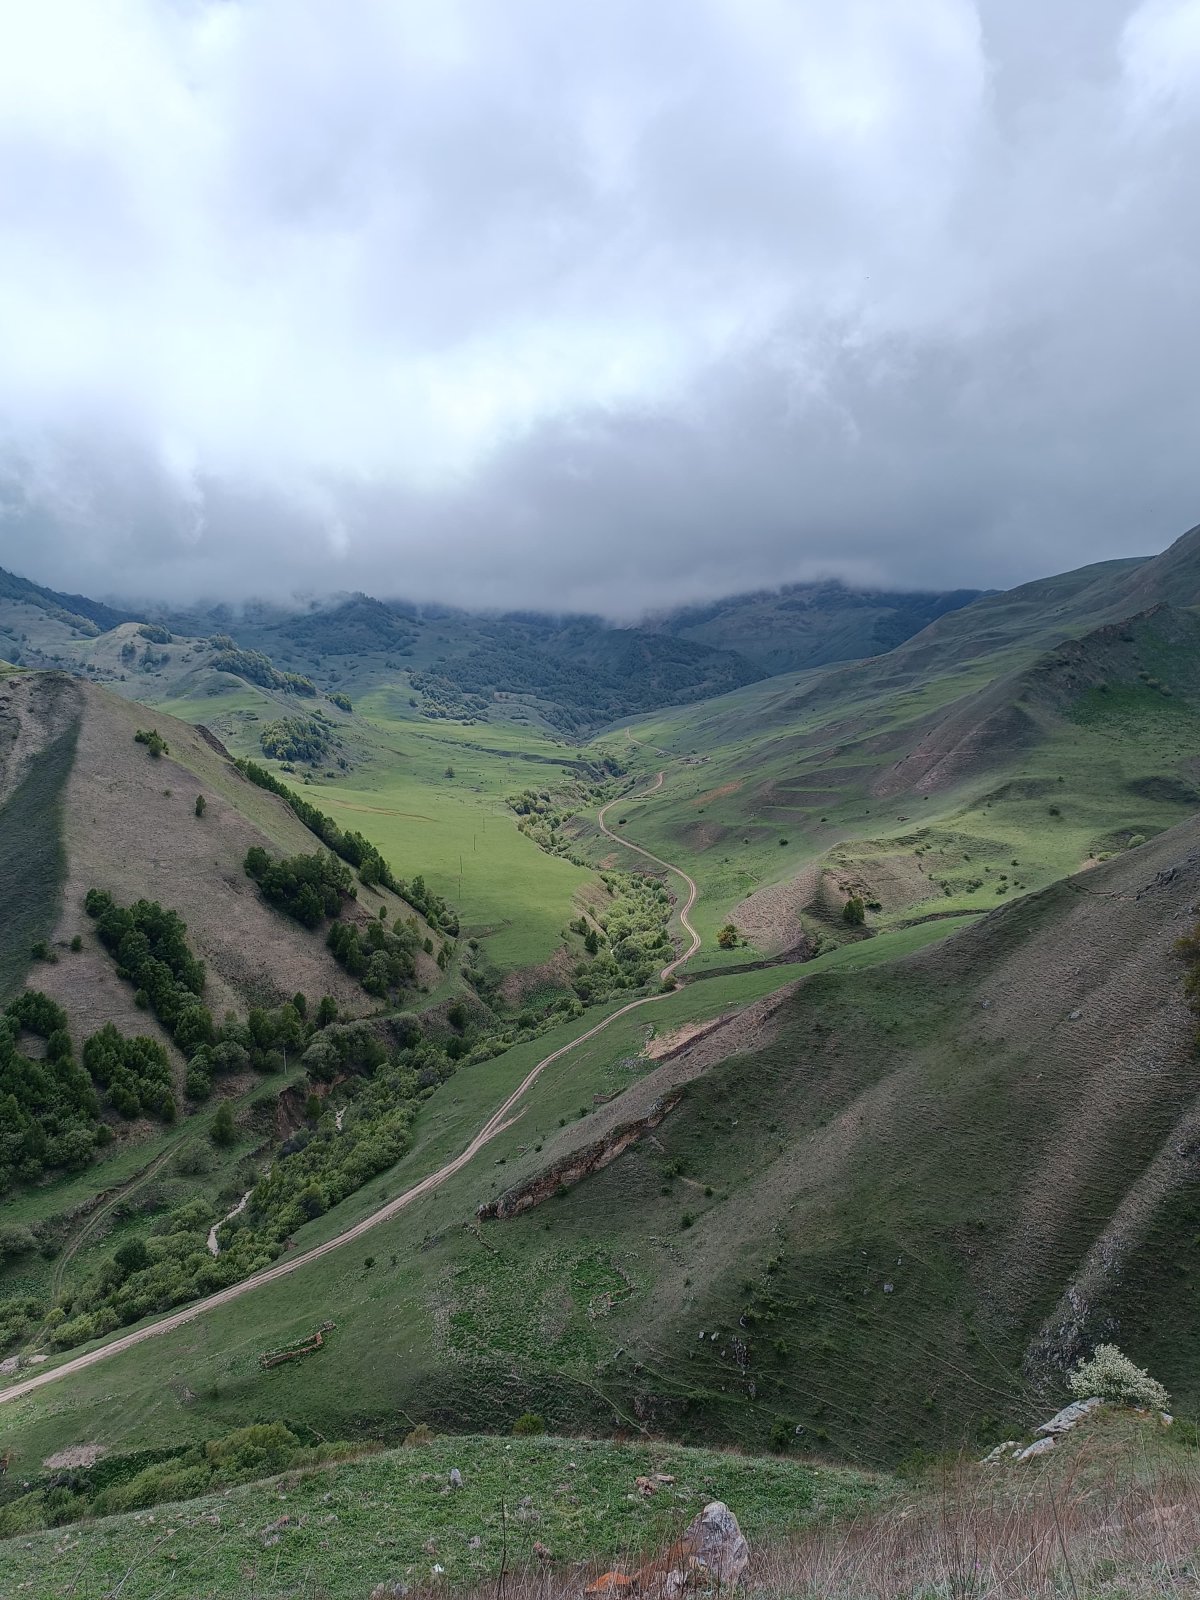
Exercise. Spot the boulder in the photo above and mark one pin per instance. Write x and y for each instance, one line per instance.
(715, 1548)
(1070, 1416)
(456, 1480)
(1038, 1448)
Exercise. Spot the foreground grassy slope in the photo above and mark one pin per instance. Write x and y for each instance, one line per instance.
(340, 1531)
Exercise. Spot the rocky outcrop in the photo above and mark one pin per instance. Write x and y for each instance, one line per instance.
(577, 1165)
(712, 1554)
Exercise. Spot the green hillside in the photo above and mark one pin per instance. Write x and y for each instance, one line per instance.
(909, 1137)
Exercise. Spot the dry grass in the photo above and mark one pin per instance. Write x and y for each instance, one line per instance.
(1086, 1529)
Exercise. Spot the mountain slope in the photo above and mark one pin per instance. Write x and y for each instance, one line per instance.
(889, 1180)
(936, 754)
(848, 1217)
(807, 625)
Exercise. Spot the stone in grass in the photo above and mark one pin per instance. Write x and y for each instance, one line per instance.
(456, 1478)
(1038, 1448)
(712, 1553)
(1070, 1416)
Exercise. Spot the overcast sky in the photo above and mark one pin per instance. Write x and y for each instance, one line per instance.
(599, 304)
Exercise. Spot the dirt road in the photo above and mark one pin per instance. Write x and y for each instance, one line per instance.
(495, 1124)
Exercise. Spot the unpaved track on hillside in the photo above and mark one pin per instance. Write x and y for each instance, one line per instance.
(495, 1124)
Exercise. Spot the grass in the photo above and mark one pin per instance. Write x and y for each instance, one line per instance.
(32, 860)
(337, 1532)
(456, 831)
(810, 771)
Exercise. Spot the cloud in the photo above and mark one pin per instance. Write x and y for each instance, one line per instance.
(597, 306)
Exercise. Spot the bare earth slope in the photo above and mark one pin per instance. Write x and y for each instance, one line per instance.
(129, 826)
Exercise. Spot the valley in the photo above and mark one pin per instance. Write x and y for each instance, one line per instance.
(804, 1067)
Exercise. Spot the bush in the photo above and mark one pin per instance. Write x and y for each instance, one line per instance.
(223, 1130)
(153, 740)
(528, 1425)
(15, 1240)
(854, 912)
(422, 1434)
(1111, 1375)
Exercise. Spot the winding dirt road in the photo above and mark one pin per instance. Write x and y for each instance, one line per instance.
(495, 1124)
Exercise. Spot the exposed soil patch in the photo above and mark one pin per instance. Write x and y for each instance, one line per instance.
(78, 1455)
(718, 794)
(770, 917)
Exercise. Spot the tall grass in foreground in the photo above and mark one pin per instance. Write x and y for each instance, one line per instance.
(982, 1534)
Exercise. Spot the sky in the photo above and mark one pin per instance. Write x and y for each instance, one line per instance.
(596, 306)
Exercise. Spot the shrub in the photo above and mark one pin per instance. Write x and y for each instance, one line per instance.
(153, 740)
(1112, 1375)
(223, 1131)
(528, 1425)
(854, 912)
(201, 805)
(422, 1434)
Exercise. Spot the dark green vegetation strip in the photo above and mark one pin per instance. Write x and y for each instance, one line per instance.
(32, 858)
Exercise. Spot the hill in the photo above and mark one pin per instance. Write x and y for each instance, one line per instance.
(806, 625)
(895, 1199)
(1033, 731)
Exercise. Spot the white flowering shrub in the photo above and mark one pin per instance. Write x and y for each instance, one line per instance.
(1112, 1375)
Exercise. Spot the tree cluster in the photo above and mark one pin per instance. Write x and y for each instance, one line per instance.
(49, 1112)
(384, 961)
(153, 740)
(296, 739)
(134, 1073)
(258, 668)
(149, 944)
(359, 852)
(308, 888)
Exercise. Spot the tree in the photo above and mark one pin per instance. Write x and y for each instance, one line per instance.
(449, 772)
(223, 1130)
(201, 805)
(728, 937)
(132, 1256)
(854, 912)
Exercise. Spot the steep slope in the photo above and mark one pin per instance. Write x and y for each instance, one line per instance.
(890, 1185)
(942, 748)
(126, 823)
(849, 1217)
(807, 625)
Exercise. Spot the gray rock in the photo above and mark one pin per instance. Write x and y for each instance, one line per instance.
(1038, 1448)
(714, 1542)
(1070, 1416)
(455, 1478)
(994, 1457)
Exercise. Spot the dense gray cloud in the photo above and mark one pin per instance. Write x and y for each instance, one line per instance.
(602, 305)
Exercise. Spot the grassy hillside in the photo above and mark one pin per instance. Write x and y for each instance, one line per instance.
(807, 625)
(962, 768)
(878, 1188)
(341, 1530)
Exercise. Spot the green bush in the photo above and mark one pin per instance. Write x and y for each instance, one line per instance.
(528, 1425)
